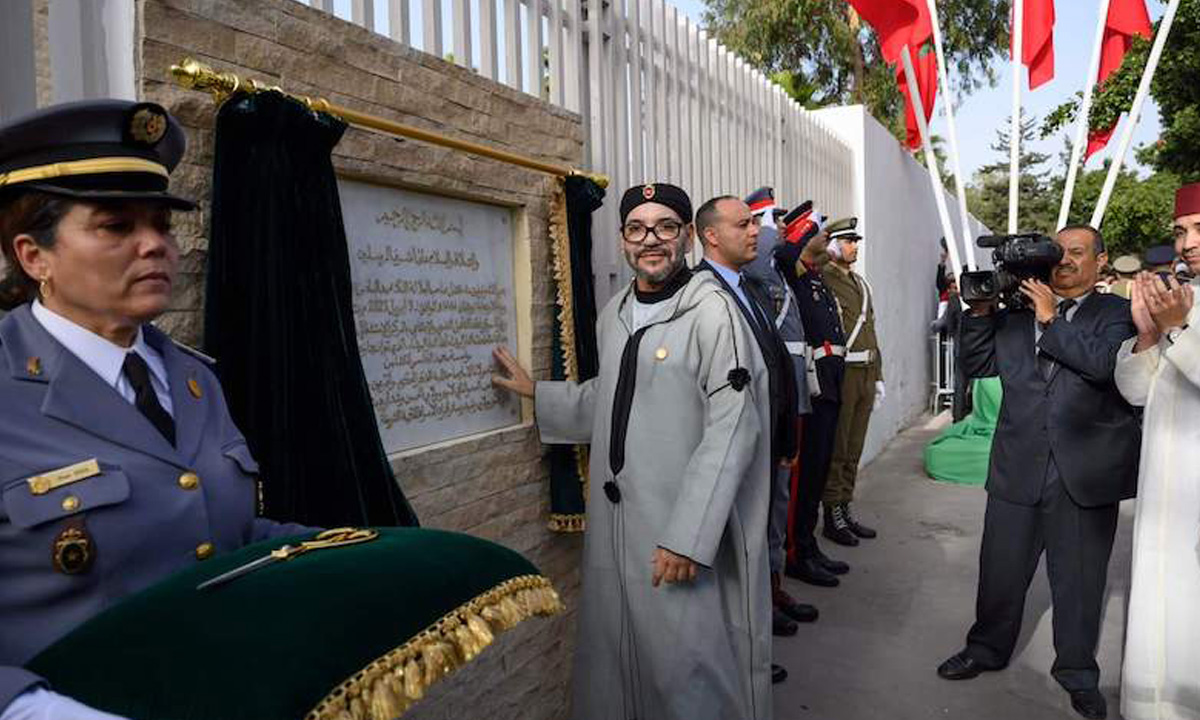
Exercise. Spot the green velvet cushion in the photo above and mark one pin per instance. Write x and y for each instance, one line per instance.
(275, 643)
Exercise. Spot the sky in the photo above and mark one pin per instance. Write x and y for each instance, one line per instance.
(979, 115)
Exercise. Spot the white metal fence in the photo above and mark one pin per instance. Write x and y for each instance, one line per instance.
(660, 99)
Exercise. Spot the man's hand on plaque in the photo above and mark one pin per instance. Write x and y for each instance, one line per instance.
(671, 568)
(514, 377)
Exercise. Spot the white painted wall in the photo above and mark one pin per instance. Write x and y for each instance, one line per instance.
(897, 217)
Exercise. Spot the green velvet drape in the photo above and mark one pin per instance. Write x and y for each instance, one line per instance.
(279, 319)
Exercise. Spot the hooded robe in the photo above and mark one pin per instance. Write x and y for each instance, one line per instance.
(679, 427)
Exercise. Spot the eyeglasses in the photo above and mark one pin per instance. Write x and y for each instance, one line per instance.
(664, 230)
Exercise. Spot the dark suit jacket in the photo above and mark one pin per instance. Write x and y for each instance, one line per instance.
(1077, 416)
(784, 417)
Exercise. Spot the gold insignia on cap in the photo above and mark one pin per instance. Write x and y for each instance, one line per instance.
(34, 365)
(194, 388)
(147, 125)
(73, 550)
(660, 354)
(648, 192)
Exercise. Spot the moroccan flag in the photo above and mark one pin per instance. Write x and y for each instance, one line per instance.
(1037, 41)
(1126, 18)
(897, 22)
(925, 66)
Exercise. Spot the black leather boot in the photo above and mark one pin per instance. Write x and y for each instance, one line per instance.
(837, 567)
(855, 526)
(836, 528)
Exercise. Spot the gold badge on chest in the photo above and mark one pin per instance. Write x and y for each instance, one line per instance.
(74, 552)
(193, 386)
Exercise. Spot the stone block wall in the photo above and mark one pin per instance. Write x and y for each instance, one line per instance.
(494, 486)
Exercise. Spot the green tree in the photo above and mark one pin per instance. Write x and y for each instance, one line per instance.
(1139, 213)
(987, 195)
(1176, 90)
(822, 54)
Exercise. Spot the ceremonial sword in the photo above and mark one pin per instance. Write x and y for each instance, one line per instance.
(337, 537)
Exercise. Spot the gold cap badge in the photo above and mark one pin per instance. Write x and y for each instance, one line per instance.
(147, 124)
(648, 192)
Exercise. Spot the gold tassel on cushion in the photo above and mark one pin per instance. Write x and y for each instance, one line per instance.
(387, 687)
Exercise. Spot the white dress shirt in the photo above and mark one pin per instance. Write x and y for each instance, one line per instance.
(106, 358)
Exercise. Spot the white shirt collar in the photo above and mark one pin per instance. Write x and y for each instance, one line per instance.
(104, 357)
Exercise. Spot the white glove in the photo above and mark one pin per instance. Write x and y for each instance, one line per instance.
(880, 394)
(42, 704)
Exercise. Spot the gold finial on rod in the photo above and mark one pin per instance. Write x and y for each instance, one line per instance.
(195, 75)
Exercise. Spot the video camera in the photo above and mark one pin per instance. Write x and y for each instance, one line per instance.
(1016, 258)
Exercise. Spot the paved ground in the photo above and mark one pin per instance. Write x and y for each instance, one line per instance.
(907, 603)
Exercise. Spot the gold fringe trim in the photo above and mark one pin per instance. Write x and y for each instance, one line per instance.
(563, 523)
(560, 242)
(390, 685)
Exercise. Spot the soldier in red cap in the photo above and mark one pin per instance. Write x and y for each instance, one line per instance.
(1160, 371)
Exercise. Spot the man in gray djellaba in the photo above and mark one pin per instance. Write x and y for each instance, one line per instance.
(675, 613)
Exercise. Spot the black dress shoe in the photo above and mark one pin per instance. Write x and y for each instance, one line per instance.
(809, 570)
(778, 674)
(961, 667)
(835, 527)
(856, 527)
(800, 612)
(785, 603)
(1089, 704)
(837, 567)
(782, 625)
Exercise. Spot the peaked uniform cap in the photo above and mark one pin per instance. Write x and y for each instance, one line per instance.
(761, 200)
(1160, 255)
(1127, 264)
(94, 150)
(843, 229)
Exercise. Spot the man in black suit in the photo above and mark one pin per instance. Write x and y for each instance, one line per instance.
(728, 233)
(1065, 453)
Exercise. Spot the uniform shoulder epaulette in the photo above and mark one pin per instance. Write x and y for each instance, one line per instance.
(206, 359)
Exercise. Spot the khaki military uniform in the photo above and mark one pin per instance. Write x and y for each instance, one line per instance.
(864, 367)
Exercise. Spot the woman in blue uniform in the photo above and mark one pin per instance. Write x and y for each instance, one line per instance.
(119, 462)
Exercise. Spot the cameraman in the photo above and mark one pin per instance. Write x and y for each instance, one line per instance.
(1064, 455)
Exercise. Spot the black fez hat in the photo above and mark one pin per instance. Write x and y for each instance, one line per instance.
(94, 150)
(662, 193)
(761, 200)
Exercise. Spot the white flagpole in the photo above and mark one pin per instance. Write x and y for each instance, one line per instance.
(952, 131)
(1135, 112)
(935, 177)
(1081, 124)
(1014, 133)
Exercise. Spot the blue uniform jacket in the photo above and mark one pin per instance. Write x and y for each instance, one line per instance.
(152, 509)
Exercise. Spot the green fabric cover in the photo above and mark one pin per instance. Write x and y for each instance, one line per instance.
(272, 644)
(961, 453)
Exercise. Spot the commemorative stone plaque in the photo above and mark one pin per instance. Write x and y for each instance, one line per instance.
(433, 294)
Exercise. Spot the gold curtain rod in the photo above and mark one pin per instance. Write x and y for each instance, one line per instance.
(195, 75)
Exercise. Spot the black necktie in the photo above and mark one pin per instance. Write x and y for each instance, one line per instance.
(1045, 362)
(138, 374)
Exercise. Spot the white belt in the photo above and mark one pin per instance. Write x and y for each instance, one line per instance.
(826, 350)
(799, 348)
(862, 357)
